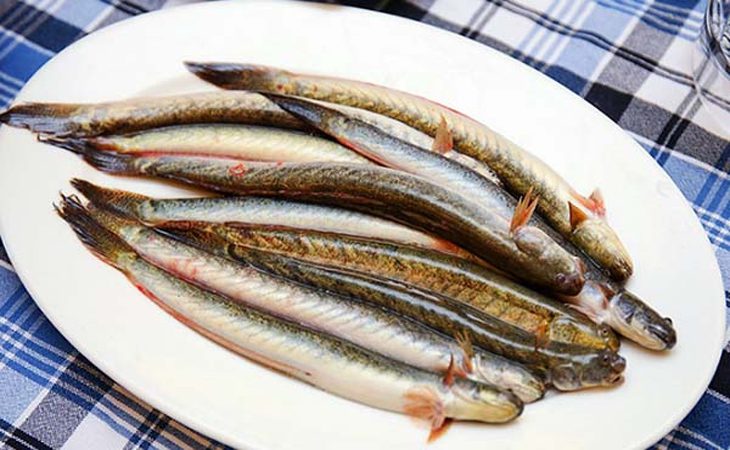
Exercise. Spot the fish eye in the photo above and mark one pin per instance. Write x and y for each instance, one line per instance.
(669, 319)
(606, 358)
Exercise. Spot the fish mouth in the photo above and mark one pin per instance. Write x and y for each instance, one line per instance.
(615, 379)
(664, 333)
(618, 364)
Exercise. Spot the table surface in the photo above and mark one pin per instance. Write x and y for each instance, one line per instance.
(629, 58)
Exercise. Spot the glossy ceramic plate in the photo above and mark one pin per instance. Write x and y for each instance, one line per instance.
(245, 405)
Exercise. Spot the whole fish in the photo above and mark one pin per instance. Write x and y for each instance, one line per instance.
(467, 282)
(93, 119)
(348, 318)
(580, 219)
(323, 361)
(601, 299)
(260, 210)
(568, 367)
(378, 191)
(248, 142)
(401, 131)
(385, 149)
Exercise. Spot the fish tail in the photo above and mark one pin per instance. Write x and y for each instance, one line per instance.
(100, 241)
(73, 144)
(235, 76)
(115, 200)
(46, 118)
(311, 112)
(195, 234)
(106, 161)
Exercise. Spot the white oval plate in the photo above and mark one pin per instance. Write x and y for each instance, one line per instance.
(245, 405)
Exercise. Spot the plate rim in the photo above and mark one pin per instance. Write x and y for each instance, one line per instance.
(147, 395)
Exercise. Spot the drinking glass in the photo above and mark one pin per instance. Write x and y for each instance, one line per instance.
(711, 62)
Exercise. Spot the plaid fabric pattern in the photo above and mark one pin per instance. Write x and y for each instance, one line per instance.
(630, 58)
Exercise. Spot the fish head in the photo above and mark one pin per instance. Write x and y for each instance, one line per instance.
(568, 329)
(637, 321)
(603, 368)
(556, 260)
(483, 402)
(602, 244)
(528, 386)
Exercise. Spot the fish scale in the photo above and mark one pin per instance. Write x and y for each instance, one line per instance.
(85, 120)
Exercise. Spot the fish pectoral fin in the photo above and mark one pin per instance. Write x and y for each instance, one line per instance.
(451, 372)
(422, 402)
(464, 341)
(436, 433)
(443, 141)
(541, 335)
(577, 216)
(523, 211)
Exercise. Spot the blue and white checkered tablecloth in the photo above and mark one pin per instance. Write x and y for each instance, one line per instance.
(630, 58)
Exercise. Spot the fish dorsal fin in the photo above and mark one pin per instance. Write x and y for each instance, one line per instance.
(577, 216)
(443, 141)
(423, 403)
(523, 211)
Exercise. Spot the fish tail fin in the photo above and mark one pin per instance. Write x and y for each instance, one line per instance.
(73, 144)
(100, 241)
(523, 211)
(310, 112)
(115, 200)
(423, 403)
(237, 76)
(106, 161)
(47, 118)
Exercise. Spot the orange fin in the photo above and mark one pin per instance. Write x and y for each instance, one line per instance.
(541, 335)
(577, 216)
(423, 403)
(593, 202)
(443, 141)
(450, 372)
(440, 431)
(523, 211)
(599, 206)
(462, 338)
